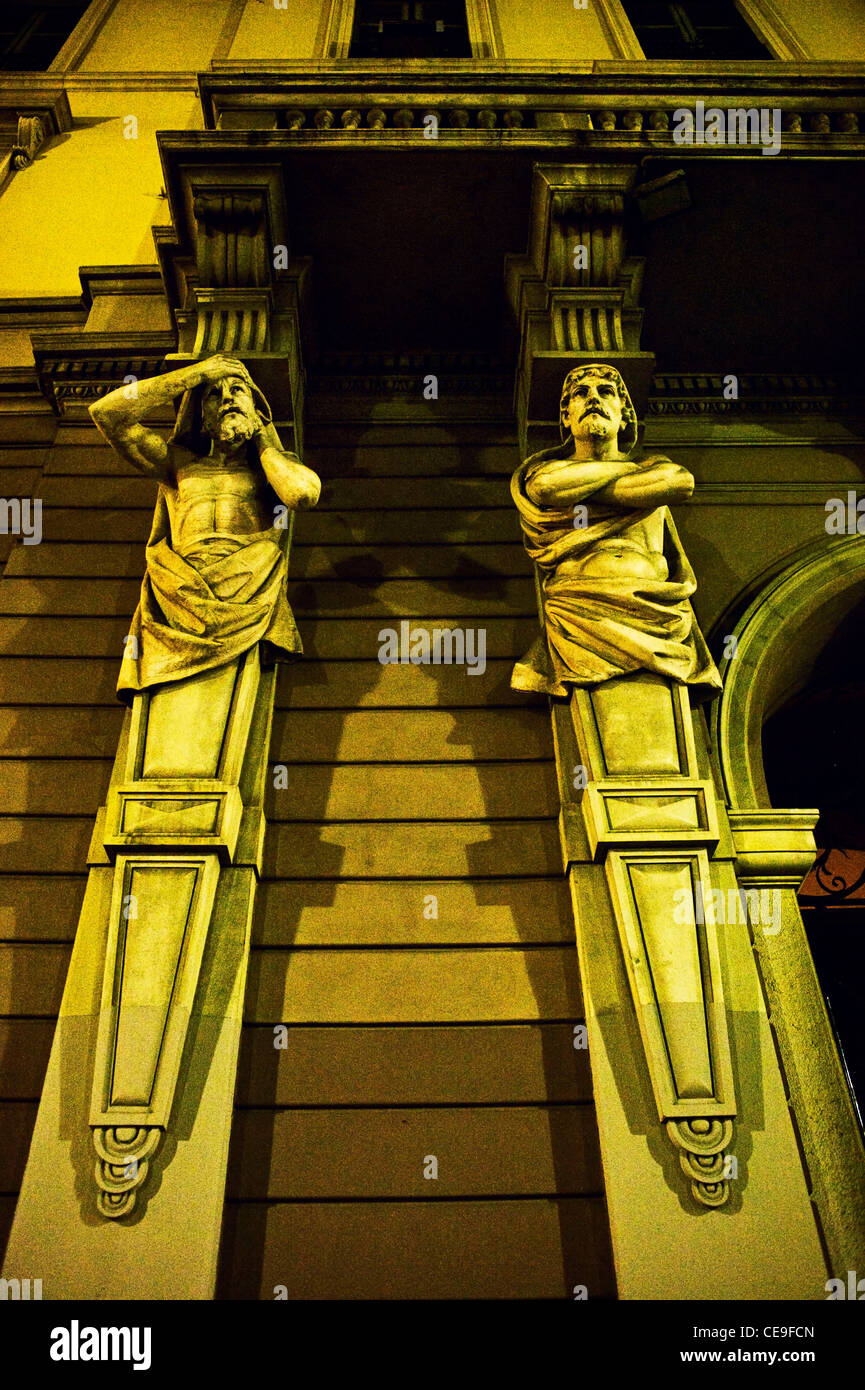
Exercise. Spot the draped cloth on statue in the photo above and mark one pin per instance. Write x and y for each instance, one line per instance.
(203, 610)
(597, 626)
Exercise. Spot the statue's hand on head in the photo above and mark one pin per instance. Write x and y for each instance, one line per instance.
(219, 366)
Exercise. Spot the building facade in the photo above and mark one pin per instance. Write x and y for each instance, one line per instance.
(428, 1023)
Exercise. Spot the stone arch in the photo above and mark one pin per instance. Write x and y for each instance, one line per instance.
(779, 638)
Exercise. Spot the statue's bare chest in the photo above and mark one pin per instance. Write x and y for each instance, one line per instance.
(225, 500)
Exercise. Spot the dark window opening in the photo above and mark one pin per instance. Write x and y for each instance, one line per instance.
(410, 29)
(31, 35)
(694, 29)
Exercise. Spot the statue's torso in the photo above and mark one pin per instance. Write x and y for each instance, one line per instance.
(635, 553)
(215, 507)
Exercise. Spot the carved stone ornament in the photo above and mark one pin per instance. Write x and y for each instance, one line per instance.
(31, 138)
(702, 1158)
(121, 1165)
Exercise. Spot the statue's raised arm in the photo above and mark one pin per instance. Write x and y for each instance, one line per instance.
(118, 415)
(616, 581)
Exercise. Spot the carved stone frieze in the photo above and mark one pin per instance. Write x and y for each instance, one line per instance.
(75, 369)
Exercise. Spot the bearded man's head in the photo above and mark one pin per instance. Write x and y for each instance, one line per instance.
(224, 412)
(228, 413)
(595, 401)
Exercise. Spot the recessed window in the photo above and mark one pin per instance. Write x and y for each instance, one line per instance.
(410, 29)
(694, 29)
(31, 35)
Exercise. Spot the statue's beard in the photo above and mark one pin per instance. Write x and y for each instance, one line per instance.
(596, 426)
(234, 428)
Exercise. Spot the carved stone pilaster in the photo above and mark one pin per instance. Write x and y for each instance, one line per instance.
(575, 295)
(172, 819)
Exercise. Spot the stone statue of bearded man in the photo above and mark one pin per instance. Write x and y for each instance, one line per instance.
(616, 581)
(215, 580)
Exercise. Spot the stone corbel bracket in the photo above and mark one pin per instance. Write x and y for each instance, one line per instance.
(29, 118)
(651, 819)
(575, 294)
(31, 137)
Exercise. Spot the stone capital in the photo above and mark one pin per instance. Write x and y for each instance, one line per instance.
(575, 293)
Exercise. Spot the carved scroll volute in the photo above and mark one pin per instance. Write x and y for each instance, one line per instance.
(31, 138)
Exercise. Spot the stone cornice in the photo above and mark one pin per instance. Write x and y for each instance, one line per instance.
(52, 311)
(74, 369)
(455, 70)
(31, 89)
(118, 279)
(611, 105)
